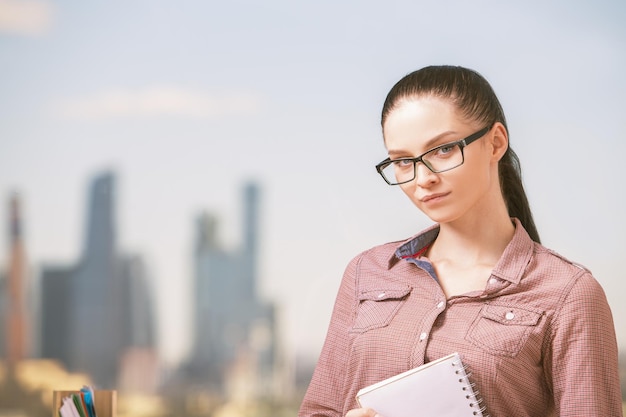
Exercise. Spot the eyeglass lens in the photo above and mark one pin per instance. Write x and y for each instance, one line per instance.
(440, 159)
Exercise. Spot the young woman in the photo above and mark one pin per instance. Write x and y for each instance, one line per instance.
(534, 329)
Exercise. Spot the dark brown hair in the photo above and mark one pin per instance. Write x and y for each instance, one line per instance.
(475, 99)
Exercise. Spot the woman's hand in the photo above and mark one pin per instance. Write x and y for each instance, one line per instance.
(362, 412)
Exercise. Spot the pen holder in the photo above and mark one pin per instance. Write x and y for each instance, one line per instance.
(105, 402)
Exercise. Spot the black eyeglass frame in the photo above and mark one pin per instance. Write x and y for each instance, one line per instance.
(461, 143)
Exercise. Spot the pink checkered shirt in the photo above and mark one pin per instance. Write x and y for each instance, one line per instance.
(539, 339)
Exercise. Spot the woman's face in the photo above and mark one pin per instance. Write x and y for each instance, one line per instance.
(417, 125)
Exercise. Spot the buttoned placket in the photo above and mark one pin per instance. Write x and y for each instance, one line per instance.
(423, 334)
(439, 305)
(493, 286)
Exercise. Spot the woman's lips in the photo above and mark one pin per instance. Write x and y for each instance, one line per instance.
(433, 197)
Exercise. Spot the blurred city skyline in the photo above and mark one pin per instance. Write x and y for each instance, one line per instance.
(94, 320)
(187, 102)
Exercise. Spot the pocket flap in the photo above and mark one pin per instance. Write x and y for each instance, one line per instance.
(387, 293)
(377, 307)
(511, 315)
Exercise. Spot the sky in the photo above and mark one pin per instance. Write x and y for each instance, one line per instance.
(186, 101)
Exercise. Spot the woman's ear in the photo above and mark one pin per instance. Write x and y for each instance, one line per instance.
(499, 141)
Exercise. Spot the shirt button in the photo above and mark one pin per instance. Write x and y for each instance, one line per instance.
(509, 315)
(493, 280)
(440, 304)
(423, 336)
(381, 295)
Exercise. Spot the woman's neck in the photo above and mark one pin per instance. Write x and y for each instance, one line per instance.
(479, 239)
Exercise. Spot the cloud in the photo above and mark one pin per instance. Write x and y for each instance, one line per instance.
(156, 101)
(25, 17)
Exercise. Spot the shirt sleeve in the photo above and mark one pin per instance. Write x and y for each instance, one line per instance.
(583, 360)
(325, 394)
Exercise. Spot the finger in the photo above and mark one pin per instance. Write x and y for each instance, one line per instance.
(362, 412)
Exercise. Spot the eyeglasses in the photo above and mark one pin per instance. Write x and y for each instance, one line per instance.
(440, 159)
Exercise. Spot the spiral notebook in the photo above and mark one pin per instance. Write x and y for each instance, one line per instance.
(440, 388)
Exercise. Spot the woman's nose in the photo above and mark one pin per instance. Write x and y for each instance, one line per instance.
(423, 175)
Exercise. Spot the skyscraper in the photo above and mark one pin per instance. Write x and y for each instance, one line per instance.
(56, 312)
(230, 319)
(96, 310)
(97, 322)
(16, 301)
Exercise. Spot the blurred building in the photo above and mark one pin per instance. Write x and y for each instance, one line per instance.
(95, 312)
(235, 336)
(15, 289)
(16, 398)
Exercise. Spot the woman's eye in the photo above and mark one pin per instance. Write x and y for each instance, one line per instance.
(445, 150)
(403, 163)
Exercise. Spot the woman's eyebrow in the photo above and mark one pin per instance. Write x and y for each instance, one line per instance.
(428, 145)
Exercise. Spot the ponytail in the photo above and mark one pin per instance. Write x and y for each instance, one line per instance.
(510, 172)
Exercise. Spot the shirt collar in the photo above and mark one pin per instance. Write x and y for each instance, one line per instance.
(510, 267)
(415, 245)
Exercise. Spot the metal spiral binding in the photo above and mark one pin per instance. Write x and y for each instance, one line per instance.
(476, 400)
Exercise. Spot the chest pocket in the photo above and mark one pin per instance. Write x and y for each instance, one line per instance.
(503, 330)
(377, 307)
